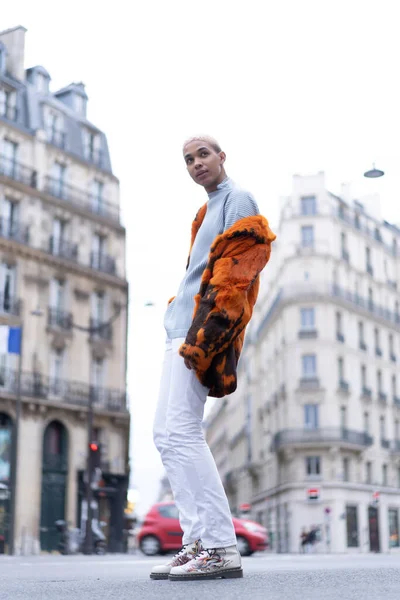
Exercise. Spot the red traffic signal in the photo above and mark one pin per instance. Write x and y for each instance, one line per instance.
(94, 447)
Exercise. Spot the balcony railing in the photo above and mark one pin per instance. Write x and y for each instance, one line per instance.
(100, 330)
(329, 435)
(59, 319)
(393, 357)
(309, 383)
(385, 444)
(12, 230)
(9, 305)
(81, 199)
(378, 352)
(382, 397)
(366, 393)
(325, 292)
(63, 249)
(17, 171)
(344, 386)
(363, 346)
(307, 334)
(95, 156)
(36, 385)
(103, 262)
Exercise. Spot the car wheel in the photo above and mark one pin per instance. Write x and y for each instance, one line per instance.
(243, 546)
(150, 545)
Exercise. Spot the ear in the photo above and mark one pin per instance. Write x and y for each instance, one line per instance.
(222, 156)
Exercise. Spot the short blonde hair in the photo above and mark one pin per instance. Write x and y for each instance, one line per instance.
(204, 138)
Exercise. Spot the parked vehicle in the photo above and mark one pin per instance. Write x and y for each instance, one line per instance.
(161, 532)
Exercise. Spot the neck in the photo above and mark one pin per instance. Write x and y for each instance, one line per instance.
(213, 186)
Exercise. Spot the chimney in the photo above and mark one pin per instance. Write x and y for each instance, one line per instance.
(14, 41)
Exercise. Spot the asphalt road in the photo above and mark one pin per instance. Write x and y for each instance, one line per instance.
(267, 577)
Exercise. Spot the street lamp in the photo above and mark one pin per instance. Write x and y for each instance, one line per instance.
(373, 173)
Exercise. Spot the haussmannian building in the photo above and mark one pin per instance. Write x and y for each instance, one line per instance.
(62, 263)
(312, 435)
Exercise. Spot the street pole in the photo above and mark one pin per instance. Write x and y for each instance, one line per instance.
(88, 543)
(14, 455)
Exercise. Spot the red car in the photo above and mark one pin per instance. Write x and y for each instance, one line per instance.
(161, 532)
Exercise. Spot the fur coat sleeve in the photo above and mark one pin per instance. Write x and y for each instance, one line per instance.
(224, 304)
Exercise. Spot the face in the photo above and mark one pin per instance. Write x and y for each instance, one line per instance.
(205, 165)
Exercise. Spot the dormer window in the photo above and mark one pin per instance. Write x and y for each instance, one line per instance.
(54, 125)
(91, 146)
(79, 104)
(41, 83)
(39, 78)
(8, 103)
(2, 58)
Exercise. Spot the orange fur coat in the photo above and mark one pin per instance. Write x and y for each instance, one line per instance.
(224, 304)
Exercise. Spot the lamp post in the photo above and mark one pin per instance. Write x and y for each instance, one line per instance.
(374, 173)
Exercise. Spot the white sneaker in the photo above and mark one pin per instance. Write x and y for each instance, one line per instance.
(210, 564)
(184, 555)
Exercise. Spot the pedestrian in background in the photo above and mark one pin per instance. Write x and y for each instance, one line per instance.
(205, 325)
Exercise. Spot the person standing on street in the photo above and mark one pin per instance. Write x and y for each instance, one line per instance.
(205, 325)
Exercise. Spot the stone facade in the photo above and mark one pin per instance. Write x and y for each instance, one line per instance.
(62, 265)
(312, 435)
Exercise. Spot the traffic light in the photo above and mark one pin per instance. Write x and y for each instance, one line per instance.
(95, 456)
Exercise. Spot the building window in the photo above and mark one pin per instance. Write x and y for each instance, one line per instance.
(307, 316)
(397, 311)
(368, 472)
(370, 299)
(313, 466)
(343, 246)
(343, 417)
(91, 145)
(366, 422)
(57, 294)
(9, 158)
(98, 247)
(397, 430)
(382, 427)
(79, 104)
(346, 469)
(384, 475)
(309, 366)
(307, 236)
(339, 327)
(379, 380)
(58, 237)
(352, 526)
(57, 375)
(394, 386)
(54, 125)
(363, 376)
(311, 420)
(98, 373)
(361, 338)
(308, 205)
(57, 180)
(368, 259)
(394, 540)
(341, 369)
(377, 340)
(398, 477)
(391, 346)
(8, 104)
(96, 194)
(7, 287)
(10, 218)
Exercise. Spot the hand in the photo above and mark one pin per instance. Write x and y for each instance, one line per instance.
(188, 363)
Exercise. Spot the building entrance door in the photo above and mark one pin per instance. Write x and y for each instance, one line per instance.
(374, 543)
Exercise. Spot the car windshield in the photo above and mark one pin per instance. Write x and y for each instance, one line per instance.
(169, 511)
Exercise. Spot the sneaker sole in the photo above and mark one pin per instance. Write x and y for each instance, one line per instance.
(227, 574)
(158, 575)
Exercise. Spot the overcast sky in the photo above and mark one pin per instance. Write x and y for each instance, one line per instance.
(286, 86)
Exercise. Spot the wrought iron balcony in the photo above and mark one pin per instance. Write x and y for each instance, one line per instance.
(382, 397)
(63, 249)
(36, 385)
(366, 393)
(12, 230)
(103, 262)
(17, 171)
(344, 386)
(309, 383)
(321, 437)
(81, 198)
(102, 331)
(393, 357)
(9, 305)
(385, 444)
(363, 346)
(59, 319)
(378, 352)
(307, 334)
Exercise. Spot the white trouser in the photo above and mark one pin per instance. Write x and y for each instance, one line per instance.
(198, 491)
